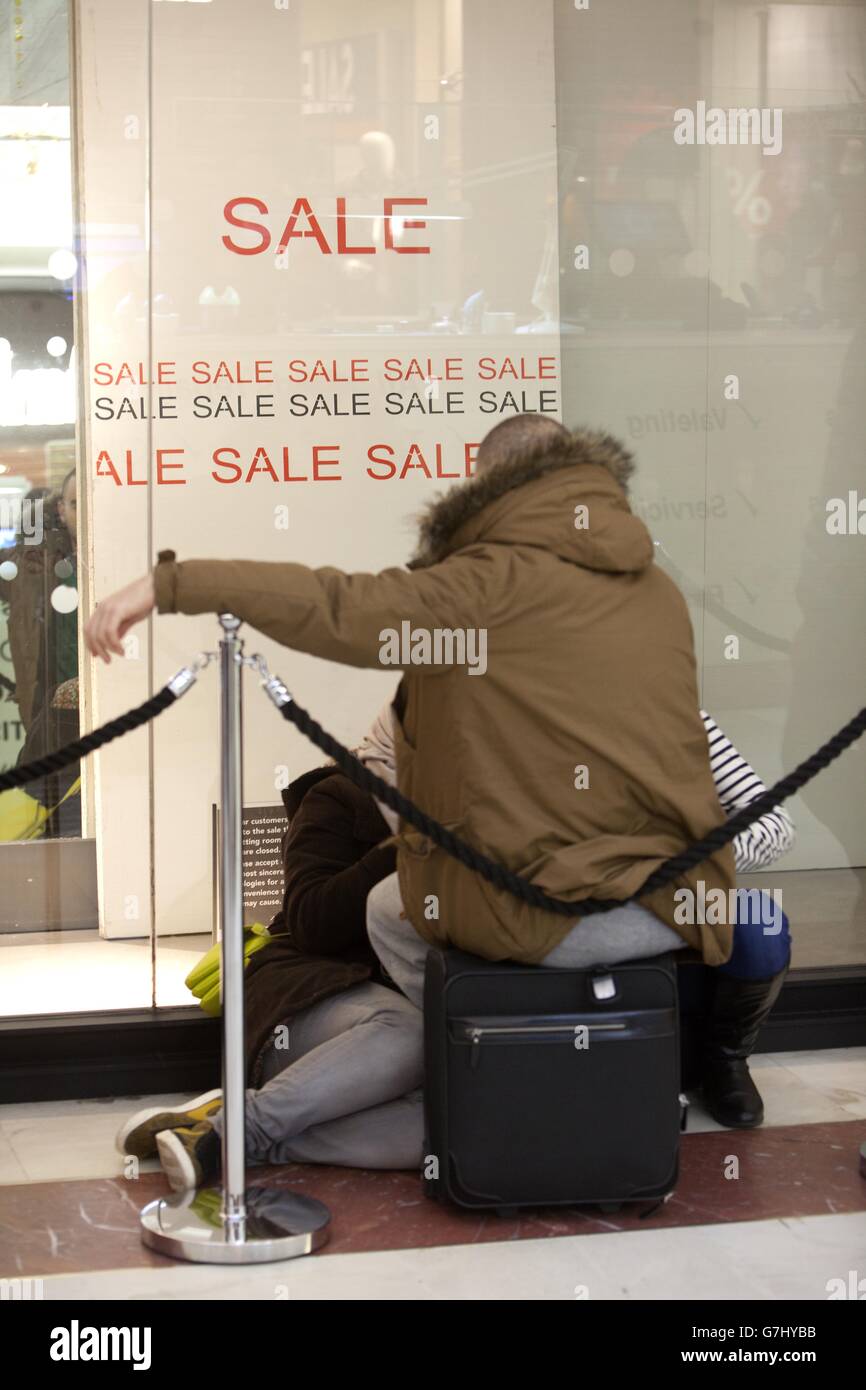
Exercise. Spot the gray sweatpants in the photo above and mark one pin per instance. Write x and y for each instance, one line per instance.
(625, 933)
(347, 1088)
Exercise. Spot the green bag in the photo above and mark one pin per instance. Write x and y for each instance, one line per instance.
(204, 979)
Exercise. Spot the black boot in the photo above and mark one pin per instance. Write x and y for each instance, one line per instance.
(739, 1009)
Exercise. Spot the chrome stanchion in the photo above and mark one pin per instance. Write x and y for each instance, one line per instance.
(231, 930)
(235, 1224)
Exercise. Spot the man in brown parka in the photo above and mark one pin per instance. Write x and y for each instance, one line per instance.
(574, 753)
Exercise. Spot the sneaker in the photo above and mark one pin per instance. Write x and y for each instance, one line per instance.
(137, 1135)
(189, 1154)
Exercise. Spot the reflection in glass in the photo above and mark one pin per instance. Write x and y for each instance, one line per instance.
(38, 490)
(718, 286)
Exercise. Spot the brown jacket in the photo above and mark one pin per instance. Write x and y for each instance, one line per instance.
(332, 857)
(590, 664)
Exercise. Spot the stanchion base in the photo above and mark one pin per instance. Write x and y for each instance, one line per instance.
(279, 1225)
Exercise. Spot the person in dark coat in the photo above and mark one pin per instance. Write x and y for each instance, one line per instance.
(43, 642)
(333, 854)
(334, 1051)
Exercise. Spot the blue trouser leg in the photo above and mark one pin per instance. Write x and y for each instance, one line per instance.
(762, 940)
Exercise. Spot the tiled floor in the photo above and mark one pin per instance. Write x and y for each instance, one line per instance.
(791, 1259)
(793, 1218)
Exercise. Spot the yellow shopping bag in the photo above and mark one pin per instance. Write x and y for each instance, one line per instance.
(22, 817)
(204, 979)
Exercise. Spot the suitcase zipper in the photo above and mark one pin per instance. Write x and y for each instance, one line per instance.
(475, 1034)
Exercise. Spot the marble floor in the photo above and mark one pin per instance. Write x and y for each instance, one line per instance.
(793, 1218)
(766, 1260)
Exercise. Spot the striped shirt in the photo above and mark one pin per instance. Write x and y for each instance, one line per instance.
(736, 786)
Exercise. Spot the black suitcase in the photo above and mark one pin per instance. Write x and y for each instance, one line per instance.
(546, 1087)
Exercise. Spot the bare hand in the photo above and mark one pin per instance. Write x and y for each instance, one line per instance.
(116, 615)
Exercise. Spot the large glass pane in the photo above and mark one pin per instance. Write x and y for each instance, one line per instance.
(354, 255)
(38, 511)
(712, 225)
(267, 278)
(74, 926)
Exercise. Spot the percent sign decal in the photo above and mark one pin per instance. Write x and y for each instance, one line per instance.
(746, 198)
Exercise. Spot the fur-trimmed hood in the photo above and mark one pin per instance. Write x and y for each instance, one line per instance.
(535, 501)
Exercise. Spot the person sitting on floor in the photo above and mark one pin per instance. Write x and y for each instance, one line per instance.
(334, 1054)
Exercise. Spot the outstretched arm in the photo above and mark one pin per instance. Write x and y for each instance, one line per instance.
(341, 617)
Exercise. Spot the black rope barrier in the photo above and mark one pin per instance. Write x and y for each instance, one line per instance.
(98, 738)
(458, 848)
(523, 888)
